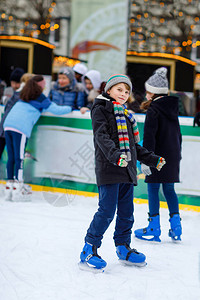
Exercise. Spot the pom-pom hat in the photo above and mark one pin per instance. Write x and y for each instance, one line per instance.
(117, 78)
(158, 82)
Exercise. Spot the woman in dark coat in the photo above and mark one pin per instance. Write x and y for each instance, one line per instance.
(161, 135)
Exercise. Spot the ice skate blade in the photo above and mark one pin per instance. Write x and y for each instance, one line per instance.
(128, 263)
(176, 241)
(174, 238)
(149, 238)
(21, 198)
(84, 266)
(8, 199)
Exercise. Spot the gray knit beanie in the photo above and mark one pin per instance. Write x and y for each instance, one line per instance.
(68, 72)
(158, 82)
(117, 78)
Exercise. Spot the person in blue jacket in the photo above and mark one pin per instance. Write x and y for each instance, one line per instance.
(18, 126)
(162, 135)
(67, 91)
(9, 104)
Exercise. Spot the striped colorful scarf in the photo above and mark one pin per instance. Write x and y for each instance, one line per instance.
(120, 111)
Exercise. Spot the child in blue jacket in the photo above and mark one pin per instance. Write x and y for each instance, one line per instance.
(18, 126)
(67, 91)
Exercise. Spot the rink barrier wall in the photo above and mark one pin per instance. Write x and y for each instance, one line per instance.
(40, 188)
(60, 158)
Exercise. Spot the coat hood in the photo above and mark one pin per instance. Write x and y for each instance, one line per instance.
(103, 100)
(95, 78)
(167, 105)
(69, 87)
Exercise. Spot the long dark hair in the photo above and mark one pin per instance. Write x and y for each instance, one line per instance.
(32, 90)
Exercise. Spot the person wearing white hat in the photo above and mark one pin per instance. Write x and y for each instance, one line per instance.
(79, 69)
(91, 82)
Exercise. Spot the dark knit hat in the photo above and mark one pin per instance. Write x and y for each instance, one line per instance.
(68, 72)
(158, 82)
(16, 74)
(117, 78)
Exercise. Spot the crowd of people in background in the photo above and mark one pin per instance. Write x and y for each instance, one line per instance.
(74, 89)
(24, 101)
(77, 87)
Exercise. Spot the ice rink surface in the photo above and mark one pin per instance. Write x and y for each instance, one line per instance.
(40, 244)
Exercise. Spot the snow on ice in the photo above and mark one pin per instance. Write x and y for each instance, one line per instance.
(40, 244)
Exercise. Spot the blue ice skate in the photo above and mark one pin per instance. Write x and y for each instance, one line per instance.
(90, 259)
(152, 232)
(176, 229)
(130, 256)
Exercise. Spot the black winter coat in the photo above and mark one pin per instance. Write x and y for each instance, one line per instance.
(162, 135)
(107, 150)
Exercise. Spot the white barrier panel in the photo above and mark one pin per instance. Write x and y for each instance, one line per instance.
(64, 153)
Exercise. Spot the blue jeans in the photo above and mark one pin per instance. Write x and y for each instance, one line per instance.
(112, 197)
(15, 143)
(170, 196)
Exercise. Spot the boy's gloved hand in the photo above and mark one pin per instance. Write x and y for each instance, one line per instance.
(161, 163)
(145, 169)
(122, 161)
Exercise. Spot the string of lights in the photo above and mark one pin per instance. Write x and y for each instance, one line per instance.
(37, 20)
(171, 26)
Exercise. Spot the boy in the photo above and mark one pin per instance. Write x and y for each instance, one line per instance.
(117, 150)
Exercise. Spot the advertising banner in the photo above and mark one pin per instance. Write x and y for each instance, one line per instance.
(99, 34)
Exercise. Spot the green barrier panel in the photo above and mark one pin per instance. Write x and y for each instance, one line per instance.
(60, 154)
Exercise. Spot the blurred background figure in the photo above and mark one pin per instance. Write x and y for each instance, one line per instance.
(135, 105)
(196, 119)
(2, 88)
(91, 99)
(66, 90)
(15, 97)
(18, 126)
(15, 78)
(92, 82)
(79, 69)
